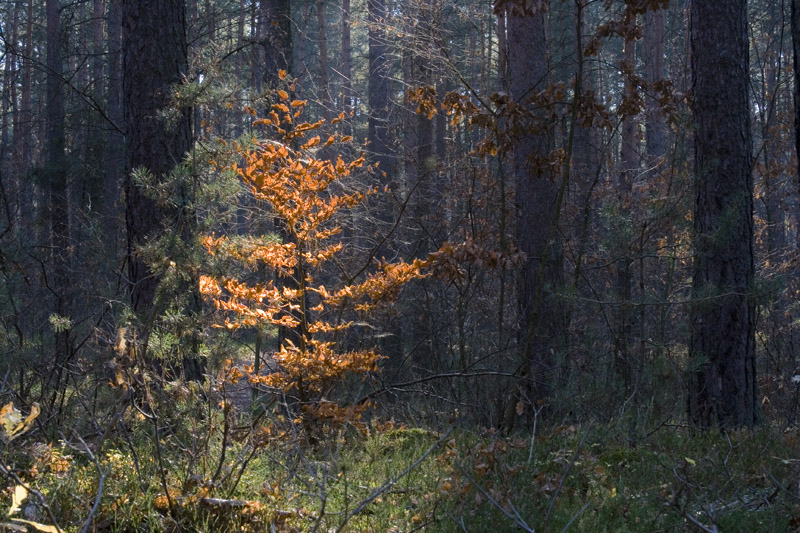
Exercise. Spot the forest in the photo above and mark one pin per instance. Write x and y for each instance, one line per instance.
(399, 265)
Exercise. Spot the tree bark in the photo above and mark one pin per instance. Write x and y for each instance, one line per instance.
(58, 201)
(347, 70)
(629, 163)
(277, 40)
(541, 323)
(24, 134)
(324, 79)
(722, 318)
(796, 67)
(653, 59)
(378, 90)
(154, 59)
(115, 140)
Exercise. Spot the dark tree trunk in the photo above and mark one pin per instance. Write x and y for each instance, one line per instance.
(94, 184)
(256, 60)
(154, 59)
(347, 69)
(277, 40)
(154, 54)
(796, 63)
(629, 162)
(653, 60)
(115, 140)
(502, 51)
(56, 175)
(378, 90)
(279, 56)
(541, 323)
(722, 350)
(24, 134)
(9, 187)
(324, 79)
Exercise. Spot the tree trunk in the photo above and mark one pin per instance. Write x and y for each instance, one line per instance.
(9, 187)
(93, 194)
(256, 61)
(541, 323)
(347, 70)
(154, 55)
(277, 40)
(115, 140)
(155, 59)
(24, 134)
(502, 52)
(796, 63)
(653, 59)
(58, 202)
(722, 317)
(378, 90)
(324, 80)
(629, 163)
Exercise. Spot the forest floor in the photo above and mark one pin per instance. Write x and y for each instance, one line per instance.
(223, 472)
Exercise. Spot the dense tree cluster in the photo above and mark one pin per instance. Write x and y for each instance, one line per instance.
(600, 198)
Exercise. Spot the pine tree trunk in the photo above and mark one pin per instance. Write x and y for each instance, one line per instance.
(58, 202)
(277, 40)
(540, 318)
(324, 80)
(154, 59)
(378, 91)
(115, 141)
(722, 351)
(796, 67)
(653, 60)
(347, 70)
(25, 131)
(629, 163)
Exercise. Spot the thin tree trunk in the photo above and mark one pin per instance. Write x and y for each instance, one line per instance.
(378, 141)
(347, 70)
(629, 163)
(25, 132)
(324, 80)
(56, 173)
(653, 60)
(115, 141)
(796, 67)
(502, 51)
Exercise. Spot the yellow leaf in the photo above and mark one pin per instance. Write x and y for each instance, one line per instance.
(690, 461)
(283, 94)
(38, 526)
(282, 74)
(20, 493)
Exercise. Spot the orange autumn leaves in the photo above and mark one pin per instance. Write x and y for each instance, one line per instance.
(300, 190)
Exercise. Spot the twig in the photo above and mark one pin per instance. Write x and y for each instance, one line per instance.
(571, 520)
(39, 496)
(533, 432)
(513, 517)
(101, 481)
(564, 475)
(390, 483)
(695, 521)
